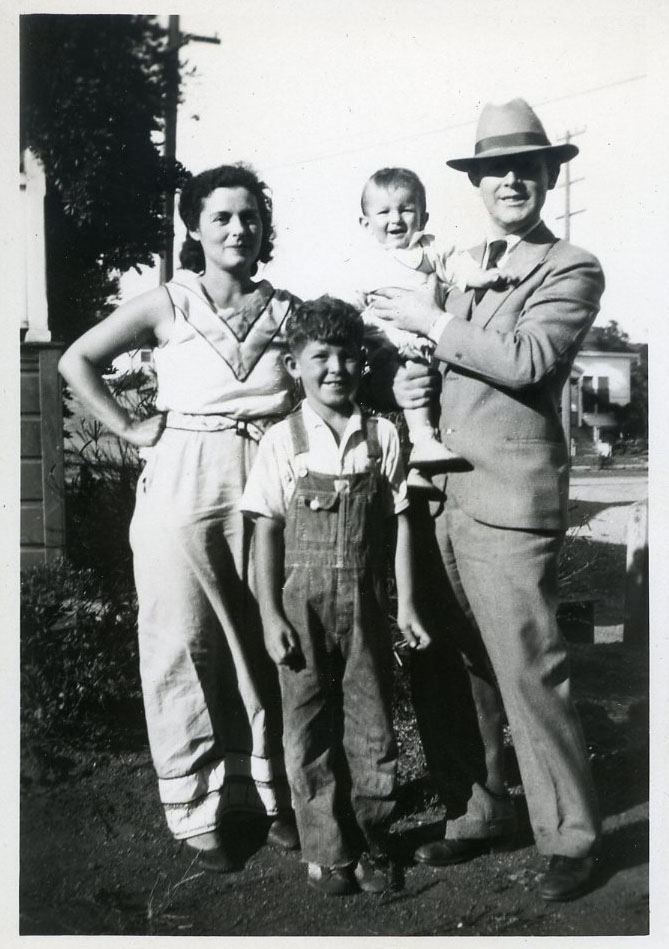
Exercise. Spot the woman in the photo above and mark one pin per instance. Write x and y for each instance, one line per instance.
(210, 696)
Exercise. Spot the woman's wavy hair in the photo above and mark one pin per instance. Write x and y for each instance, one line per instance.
(198, 188)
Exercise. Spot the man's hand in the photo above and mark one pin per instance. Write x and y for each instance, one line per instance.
(282, 644)
(416, 385)
(412, 310)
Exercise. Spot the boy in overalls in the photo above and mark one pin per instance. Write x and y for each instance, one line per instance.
(323, 490)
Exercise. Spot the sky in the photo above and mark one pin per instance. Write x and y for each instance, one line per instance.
(318, 94)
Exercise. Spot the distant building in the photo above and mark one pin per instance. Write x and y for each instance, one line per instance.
(42, 479)
(133, 360)
(600, 379)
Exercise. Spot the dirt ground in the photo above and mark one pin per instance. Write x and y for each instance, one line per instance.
(96, 857)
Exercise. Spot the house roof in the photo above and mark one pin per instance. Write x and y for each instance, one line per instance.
(608, 354)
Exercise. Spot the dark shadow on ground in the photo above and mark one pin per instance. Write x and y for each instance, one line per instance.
(624, 848)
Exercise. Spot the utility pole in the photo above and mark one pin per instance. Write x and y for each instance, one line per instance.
(567, 183)
(567, 216)
(175, 40)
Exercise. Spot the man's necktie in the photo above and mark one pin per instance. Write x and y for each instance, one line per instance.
(496, 250)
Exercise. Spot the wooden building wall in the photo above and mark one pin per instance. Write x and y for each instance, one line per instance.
(42, 484)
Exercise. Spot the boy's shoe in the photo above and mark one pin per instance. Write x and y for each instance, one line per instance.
(418, 482)
(373, 873)
(445, 853)
(431, 455)
(332, 881)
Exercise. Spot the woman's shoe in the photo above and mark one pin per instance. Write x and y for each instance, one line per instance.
(216, 857)
(218, 860)
(283, 834)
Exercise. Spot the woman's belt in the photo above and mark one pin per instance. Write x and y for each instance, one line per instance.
(221, 423)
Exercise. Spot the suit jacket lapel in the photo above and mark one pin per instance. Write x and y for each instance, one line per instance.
(523, 261)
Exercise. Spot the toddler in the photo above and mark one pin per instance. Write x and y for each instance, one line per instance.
(401, 254)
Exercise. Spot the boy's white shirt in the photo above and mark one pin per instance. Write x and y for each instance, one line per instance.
(271, 481)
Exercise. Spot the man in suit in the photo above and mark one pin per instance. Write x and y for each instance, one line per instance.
(505, 356)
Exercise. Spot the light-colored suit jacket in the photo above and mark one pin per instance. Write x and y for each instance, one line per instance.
(505, 362)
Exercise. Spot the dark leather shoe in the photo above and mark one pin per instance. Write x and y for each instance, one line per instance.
(283, 835)
(567, 878)
(444, 853)
(332, 881)
(218, 860)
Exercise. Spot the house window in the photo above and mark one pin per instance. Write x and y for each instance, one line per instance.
(589, 400)
(603, 400)
(145, 355)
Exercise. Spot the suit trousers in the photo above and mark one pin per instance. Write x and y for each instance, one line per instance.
(500, 649)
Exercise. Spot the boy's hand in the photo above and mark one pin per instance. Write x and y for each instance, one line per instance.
(283, 645)
(411, 627)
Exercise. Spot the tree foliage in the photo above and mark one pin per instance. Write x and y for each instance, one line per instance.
(93, 92)
(609, 339)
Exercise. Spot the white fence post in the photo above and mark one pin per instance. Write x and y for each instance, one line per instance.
(635, 631)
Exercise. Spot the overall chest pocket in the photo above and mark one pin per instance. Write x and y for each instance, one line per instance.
(315, 517)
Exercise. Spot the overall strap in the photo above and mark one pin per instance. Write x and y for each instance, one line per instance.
(298, 432)
(371, 431)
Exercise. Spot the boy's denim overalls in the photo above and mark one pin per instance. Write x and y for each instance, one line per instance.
(341, 757)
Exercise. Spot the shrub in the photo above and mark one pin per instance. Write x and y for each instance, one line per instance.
(78, 651)
(101, 475)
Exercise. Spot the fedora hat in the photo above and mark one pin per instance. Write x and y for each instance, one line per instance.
(512, 128)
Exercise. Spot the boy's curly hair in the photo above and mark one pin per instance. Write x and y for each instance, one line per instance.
(324, 320)
(198, 188)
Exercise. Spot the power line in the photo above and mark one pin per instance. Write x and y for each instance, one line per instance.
(446, 128)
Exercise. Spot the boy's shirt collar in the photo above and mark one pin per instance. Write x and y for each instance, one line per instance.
(313, 421)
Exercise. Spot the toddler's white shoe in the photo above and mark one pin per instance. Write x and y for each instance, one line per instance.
(430, 454)
(418, 482)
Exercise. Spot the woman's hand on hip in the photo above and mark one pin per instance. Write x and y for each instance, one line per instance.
(145, 433)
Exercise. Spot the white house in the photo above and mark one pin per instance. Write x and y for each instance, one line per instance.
(135, 359)
(599, 380)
